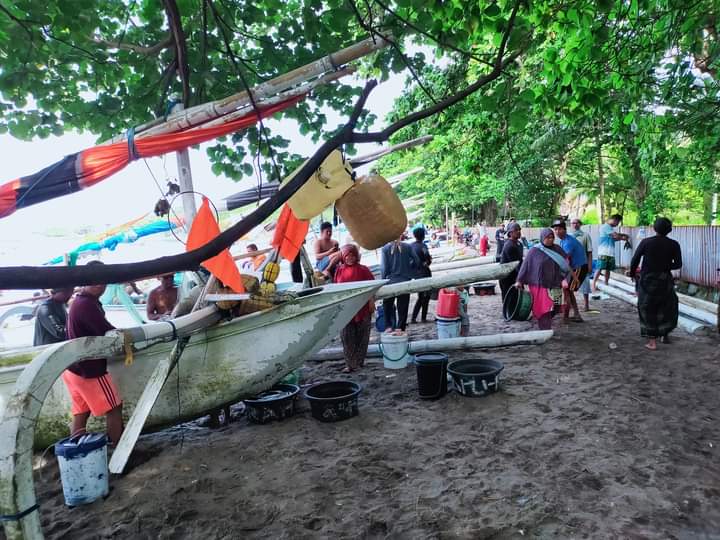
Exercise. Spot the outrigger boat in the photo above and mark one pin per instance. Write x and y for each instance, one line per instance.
(222, 363)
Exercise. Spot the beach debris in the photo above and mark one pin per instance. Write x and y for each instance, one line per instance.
(612, 345)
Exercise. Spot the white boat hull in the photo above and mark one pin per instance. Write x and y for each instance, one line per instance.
(221, 364)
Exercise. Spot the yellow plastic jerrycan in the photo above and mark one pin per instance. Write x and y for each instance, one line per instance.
(372, 212)
(325, 186)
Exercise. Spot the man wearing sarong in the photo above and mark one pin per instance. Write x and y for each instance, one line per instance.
(512, 251)
(578, 267)
(657, 301)
(544, 271)
(606, 248)
(356, 335)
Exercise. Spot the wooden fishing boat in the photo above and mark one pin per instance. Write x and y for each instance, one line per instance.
(222, 363)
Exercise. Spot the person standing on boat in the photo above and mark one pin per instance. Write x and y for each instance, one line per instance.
(91, 388)
(51, 318)
(162, 299)
(544, 271)
(586, 241)
(578, 266)
(513, 250)
(657, 302)
(399, 263)
(423, 255)
(327, 250)
(356, 335)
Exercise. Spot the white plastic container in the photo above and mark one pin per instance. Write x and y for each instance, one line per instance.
(83, 468)
(394, 350)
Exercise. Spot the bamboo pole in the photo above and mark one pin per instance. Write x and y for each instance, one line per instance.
(449, 279)
(209, 111)
(690, 326)
(691, 312)
(535, 337)
(362, 160)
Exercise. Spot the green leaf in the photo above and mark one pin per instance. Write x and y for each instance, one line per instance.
(628, 118)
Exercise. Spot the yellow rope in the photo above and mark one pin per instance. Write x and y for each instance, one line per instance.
(127, 340)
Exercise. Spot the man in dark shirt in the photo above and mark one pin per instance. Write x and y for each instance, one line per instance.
(92, 390)
(512, 251)
(51, 318)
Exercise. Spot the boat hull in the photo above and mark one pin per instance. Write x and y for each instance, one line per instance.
(221, 364)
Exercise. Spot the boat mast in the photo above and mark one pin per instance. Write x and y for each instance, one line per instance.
(185, 179)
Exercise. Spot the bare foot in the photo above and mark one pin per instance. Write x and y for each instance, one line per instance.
(651, 345)
(347, 370)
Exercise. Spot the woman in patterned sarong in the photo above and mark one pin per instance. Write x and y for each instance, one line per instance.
(356, 335)
(657, 301)
(544, 271)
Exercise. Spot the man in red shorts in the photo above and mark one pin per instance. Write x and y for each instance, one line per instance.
(91, 388)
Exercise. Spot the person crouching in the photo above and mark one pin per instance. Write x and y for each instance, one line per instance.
(356, 335)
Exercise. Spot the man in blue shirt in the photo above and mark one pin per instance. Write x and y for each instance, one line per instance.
(606, 248)
(578, 265)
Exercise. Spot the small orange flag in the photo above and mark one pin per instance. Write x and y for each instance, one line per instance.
(290, 232)
(222, 266)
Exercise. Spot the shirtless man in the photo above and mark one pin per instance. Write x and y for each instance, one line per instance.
(327, 250)
(162, 299)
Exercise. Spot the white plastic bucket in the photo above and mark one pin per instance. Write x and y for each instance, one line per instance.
(394, 350)
(448, 328)
(83, 468)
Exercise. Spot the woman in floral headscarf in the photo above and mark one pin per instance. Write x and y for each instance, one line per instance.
(356, 335)
(544, 271)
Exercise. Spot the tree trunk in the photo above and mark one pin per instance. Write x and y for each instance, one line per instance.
(641, 183)
(601, 178)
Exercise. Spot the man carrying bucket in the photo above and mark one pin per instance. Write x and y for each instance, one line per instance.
(91, 389)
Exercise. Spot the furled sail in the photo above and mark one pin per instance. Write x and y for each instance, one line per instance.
(88, 167)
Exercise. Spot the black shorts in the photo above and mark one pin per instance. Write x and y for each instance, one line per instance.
(581, 278)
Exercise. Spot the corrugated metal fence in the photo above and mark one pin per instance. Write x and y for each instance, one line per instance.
(700, 249)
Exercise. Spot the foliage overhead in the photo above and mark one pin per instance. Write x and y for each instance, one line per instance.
(614, 100)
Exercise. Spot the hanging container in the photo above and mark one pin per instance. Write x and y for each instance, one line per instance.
(372, 212)
(325, 186)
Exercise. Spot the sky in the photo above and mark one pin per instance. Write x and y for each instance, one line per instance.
(128, 194)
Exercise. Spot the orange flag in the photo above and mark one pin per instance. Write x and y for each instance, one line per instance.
(290, 232)
(222, 266)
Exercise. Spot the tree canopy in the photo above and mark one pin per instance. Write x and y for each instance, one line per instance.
(612, 101)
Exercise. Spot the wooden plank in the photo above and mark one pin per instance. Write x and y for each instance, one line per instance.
(144, 405)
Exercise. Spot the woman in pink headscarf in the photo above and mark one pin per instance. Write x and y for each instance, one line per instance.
(356, 335)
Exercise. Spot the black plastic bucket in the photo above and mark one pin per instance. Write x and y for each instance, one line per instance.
(333, 401)
(475, 377)
(277, 403)
(517, 305)
(431, 375)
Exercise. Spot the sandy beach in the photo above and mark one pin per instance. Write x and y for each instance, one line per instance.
(583, 441)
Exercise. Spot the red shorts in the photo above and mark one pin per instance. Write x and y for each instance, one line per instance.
(97, 396)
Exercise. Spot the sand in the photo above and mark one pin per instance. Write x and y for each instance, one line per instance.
(583, 441)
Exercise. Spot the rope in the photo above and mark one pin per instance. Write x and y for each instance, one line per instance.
(132, 149)
(19, 515)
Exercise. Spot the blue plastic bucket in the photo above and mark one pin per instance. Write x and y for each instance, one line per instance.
(83, 468)
(447, 328)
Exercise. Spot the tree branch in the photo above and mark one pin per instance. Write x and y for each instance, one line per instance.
(140, 49)
(175, 23)
(31, 277)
